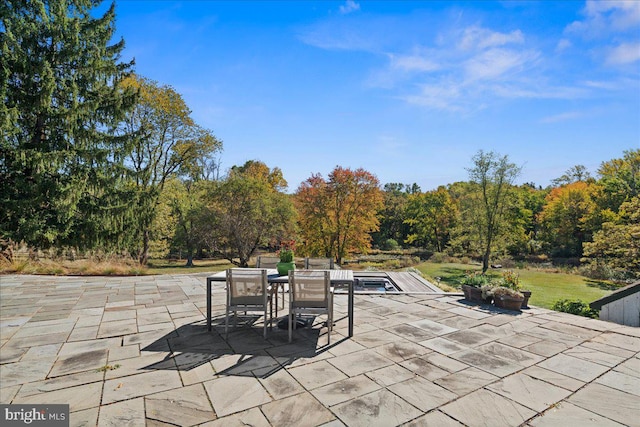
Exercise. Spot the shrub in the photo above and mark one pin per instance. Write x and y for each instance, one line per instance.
(439, 258)
(390, 245)
(475, 279)
(575, 307)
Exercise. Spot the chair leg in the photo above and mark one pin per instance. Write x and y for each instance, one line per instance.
(226, 325)
(265, 323)
(290, 326)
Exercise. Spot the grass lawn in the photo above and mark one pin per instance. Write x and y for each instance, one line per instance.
(546, 287)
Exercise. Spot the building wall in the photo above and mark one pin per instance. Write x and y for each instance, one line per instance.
(625, 311)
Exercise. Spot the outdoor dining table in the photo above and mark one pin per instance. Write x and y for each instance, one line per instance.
(337, 277)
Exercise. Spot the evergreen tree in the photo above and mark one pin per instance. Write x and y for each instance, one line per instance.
(60, 160)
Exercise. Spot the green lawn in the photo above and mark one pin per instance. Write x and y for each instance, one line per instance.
(546, 287)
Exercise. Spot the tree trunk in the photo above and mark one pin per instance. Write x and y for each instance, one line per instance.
(189, 259)
(144, 254)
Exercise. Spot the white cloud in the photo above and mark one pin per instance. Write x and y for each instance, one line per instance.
(412, 63)
(495, 63)
(625, 53)
(482, 38)
(562, 117)
(440, 97)
(563, 45)
(612, 28)
(349, 6)
(618, 15)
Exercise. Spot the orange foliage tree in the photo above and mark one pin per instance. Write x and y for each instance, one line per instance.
(337, 215)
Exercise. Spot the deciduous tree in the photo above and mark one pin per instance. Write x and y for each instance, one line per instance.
(494, 176)
(431, 216)
(246, 211)
(617, 245)
(337, 215)
(169, 142)
(392, 215)
(565, 218)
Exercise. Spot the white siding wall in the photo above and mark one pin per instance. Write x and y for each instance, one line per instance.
(625, 311)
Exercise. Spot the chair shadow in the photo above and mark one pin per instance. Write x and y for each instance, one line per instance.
(245, 352)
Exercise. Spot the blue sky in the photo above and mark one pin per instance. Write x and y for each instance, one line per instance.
(409, 91)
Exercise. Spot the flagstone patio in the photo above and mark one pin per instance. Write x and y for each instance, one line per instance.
(135, 351)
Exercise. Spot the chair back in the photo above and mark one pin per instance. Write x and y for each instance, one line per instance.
(266, 261)
(318, 263)
(246, 286)
(309, 288)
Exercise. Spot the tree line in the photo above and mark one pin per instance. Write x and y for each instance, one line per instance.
(94, 157)
(580, 219)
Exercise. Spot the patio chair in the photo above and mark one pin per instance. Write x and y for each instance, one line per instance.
(266, 261)
(310, 293)
(248, 290)
(318, 264)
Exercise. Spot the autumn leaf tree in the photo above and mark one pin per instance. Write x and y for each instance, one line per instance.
(337, 215)
(168, 143)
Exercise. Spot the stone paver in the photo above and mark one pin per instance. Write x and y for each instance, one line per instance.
(574, 367)
(422, 393)
(466, 381)
(235, 394)
(299, 410)
(180, 406)
(528, 391)
(344, 390)
(566, 414)
(129, 413)
(380, 408)
(135, 351)
(608, 402)
(484, 408)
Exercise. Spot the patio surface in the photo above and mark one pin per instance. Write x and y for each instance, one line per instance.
(135, 351)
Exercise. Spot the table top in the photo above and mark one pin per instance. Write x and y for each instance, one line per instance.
(337, 276)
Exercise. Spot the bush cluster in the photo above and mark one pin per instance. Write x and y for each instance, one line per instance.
(577, 307)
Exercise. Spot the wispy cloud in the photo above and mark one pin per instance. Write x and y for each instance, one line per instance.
(625, 53)
(562, 117)
(349, 6)
(457, 64)
(614, 25)
(481, 38)
(412, 62)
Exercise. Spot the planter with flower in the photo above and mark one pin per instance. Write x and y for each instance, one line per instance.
(508, 294)
(286, 258)
(507, 298)
(472, 284)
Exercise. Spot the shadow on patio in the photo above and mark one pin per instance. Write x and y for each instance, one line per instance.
(245, 353)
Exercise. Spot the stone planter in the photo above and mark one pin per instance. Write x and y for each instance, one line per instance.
(507, 302)
(471, 293)
(527, 294)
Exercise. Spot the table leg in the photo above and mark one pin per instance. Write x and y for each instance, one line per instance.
(209, 281)
(351, 285)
